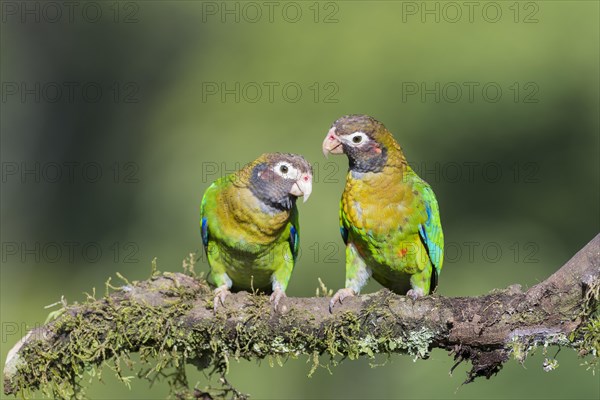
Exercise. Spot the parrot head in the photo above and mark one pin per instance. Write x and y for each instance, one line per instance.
(278, 179)
(365, 141)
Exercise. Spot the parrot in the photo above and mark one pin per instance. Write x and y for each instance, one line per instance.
(389, 216)
(249, 225)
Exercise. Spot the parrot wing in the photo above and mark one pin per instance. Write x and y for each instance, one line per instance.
(343, 229)
(284, 266)
(203, 218)
(294, 239)
(430, 231)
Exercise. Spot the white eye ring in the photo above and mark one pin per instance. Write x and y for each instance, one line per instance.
(357, 138)
(286, 170)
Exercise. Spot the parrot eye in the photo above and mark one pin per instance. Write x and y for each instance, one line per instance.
(357, 138)
(286, 171)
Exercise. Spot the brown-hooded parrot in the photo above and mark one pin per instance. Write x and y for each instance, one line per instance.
(249, 225)
(389, 217)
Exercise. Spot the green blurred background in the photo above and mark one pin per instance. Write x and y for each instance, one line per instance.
(516, 175)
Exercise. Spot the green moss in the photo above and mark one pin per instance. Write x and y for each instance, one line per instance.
(98, 336)
(586, 338)
(100, 333)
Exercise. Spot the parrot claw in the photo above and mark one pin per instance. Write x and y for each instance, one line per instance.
(414, 294)
(339, 297)
(276, 297)
(220, 294)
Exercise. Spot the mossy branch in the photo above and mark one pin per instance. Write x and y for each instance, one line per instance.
(169, 321)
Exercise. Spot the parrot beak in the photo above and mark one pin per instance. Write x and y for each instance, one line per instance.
(332, 143)
(302, 187)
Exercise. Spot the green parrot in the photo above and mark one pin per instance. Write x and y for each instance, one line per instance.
(389, 217)
(249, 225)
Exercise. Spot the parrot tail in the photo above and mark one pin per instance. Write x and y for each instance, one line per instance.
(434, 279)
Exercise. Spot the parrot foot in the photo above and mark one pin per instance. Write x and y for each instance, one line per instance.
(220, 294)
(414, 294)
(276, 297)
(339, 297)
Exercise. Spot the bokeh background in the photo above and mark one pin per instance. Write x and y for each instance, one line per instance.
(117, 116)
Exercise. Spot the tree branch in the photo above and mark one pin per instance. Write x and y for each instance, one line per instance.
(169, 320)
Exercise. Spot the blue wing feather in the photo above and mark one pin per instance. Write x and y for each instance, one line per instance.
(431, 234)
(204, 220)
(344, 233)
(294, 238)
(294, 241)
(204, 232)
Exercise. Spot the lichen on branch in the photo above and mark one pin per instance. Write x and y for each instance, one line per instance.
(169, 321)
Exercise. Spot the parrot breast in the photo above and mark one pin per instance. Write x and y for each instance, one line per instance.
(247, 219)
(246, 237)
(382, 213)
